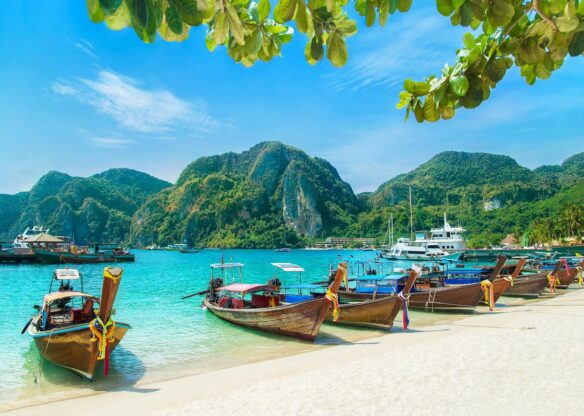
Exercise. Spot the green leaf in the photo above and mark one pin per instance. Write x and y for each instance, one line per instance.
(336, 49)
(253, 42)
(430, 112)
(404, 100)
(235, 26)
(447, 113)
(370, 15)
(496, 69)
(542, 71)
(301, 17)
(96, 14)
(569, 21)
(221, 28)
(174, 20)
(143, 19)
(445, 7)
(500, 12)
(109, 6)
(120, 19)
(316, 48)
(284, 10)
(469, 40)
(347, 27)
(383, 12)
(416, 88)
(263, 10)
(459, 85)
(404, 5)
(188, 10)
(576, 46)
(457, 3)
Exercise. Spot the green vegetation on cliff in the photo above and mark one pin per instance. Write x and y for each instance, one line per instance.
(98, 208)
(269, 196)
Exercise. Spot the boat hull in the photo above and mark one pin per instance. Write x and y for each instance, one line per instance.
(371, 312)
(50, 257)
(299, 320)
(462, 297)
(528, 286)
(566, 277)
(72, 347)
(345, 295)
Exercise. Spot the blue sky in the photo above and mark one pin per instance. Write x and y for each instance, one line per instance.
(80, 98)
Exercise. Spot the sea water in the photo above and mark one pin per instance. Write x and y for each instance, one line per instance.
(170, 337)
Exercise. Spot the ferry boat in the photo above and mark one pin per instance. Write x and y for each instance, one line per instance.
(441, 242)
(19, 246)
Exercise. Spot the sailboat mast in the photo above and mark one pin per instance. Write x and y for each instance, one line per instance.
(411, 217)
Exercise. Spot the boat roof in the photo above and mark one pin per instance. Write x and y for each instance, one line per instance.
(43, 238)
(304, 286)
(288, 267)
(391, 276)
(67, 274)
(51, 297)
(247, 287)
(226, 265)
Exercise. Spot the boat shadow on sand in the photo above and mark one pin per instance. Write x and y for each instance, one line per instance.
(125, 371)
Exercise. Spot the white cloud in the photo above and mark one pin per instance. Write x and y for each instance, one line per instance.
(86, 47)
(137, 108)
(112, 143)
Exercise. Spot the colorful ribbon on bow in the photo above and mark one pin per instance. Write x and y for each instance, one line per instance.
(333, 297)
(487, 286)
(104, 335)
(405, 315)
(553, 281)
(510, 279)
(579, 275)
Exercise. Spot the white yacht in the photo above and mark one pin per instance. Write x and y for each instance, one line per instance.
(447, 238)
(19, 246)
(440, 242)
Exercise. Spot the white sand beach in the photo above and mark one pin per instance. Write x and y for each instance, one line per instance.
(518, 360)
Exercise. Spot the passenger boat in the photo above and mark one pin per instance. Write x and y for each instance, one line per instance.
(69, 332)
(261, 306)
(93, 254)
(457, 297)
(380, 311)
(531, 285)
(502, 283)
(567, 273)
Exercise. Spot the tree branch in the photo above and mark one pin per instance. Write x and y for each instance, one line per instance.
(535, 6)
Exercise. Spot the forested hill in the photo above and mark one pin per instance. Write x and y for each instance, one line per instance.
(490, 195)
(271, 195)
(275, 195)
(98, 208)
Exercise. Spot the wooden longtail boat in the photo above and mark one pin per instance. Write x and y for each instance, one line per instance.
(461, 297)
(531, 285)
(58, 257)
(69, 332)
(567, 275)
(265, 312)
(381, 311)
(502, 284)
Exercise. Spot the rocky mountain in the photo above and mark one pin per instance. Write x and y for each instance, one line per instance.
(271, 195)
(98, 208)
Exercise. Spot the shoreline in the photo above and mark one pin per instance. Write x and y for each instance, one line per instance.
(517, 356)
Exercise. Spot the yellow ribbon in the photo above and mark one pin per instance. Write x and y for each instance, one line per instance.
(109, 275)
(553, 281)
(510, 279)
(489, 295)
(332, 297)
(104, 335)
(579, 275)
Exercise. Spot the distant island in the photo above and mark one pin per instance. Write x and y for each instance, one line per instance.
(275, 195)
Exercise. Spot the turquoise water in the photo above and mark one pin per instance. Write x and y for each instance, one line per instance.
(170, 337)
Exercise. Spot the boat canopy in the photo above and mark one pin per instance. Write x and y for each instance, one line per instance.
(43, 238)
(244, 288)
(226, 265)
(51, 297)
(465, 271)
(288, 267)
(372, 277)
(307, 286)
(67, 274)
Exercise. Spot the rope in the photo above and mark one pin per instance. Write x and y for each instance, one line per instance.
(487, 287)
(431, 299)
(553, 281)
(405, 315)
(510, 279)
(104, 335)
(44, 356)
(332, 297)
